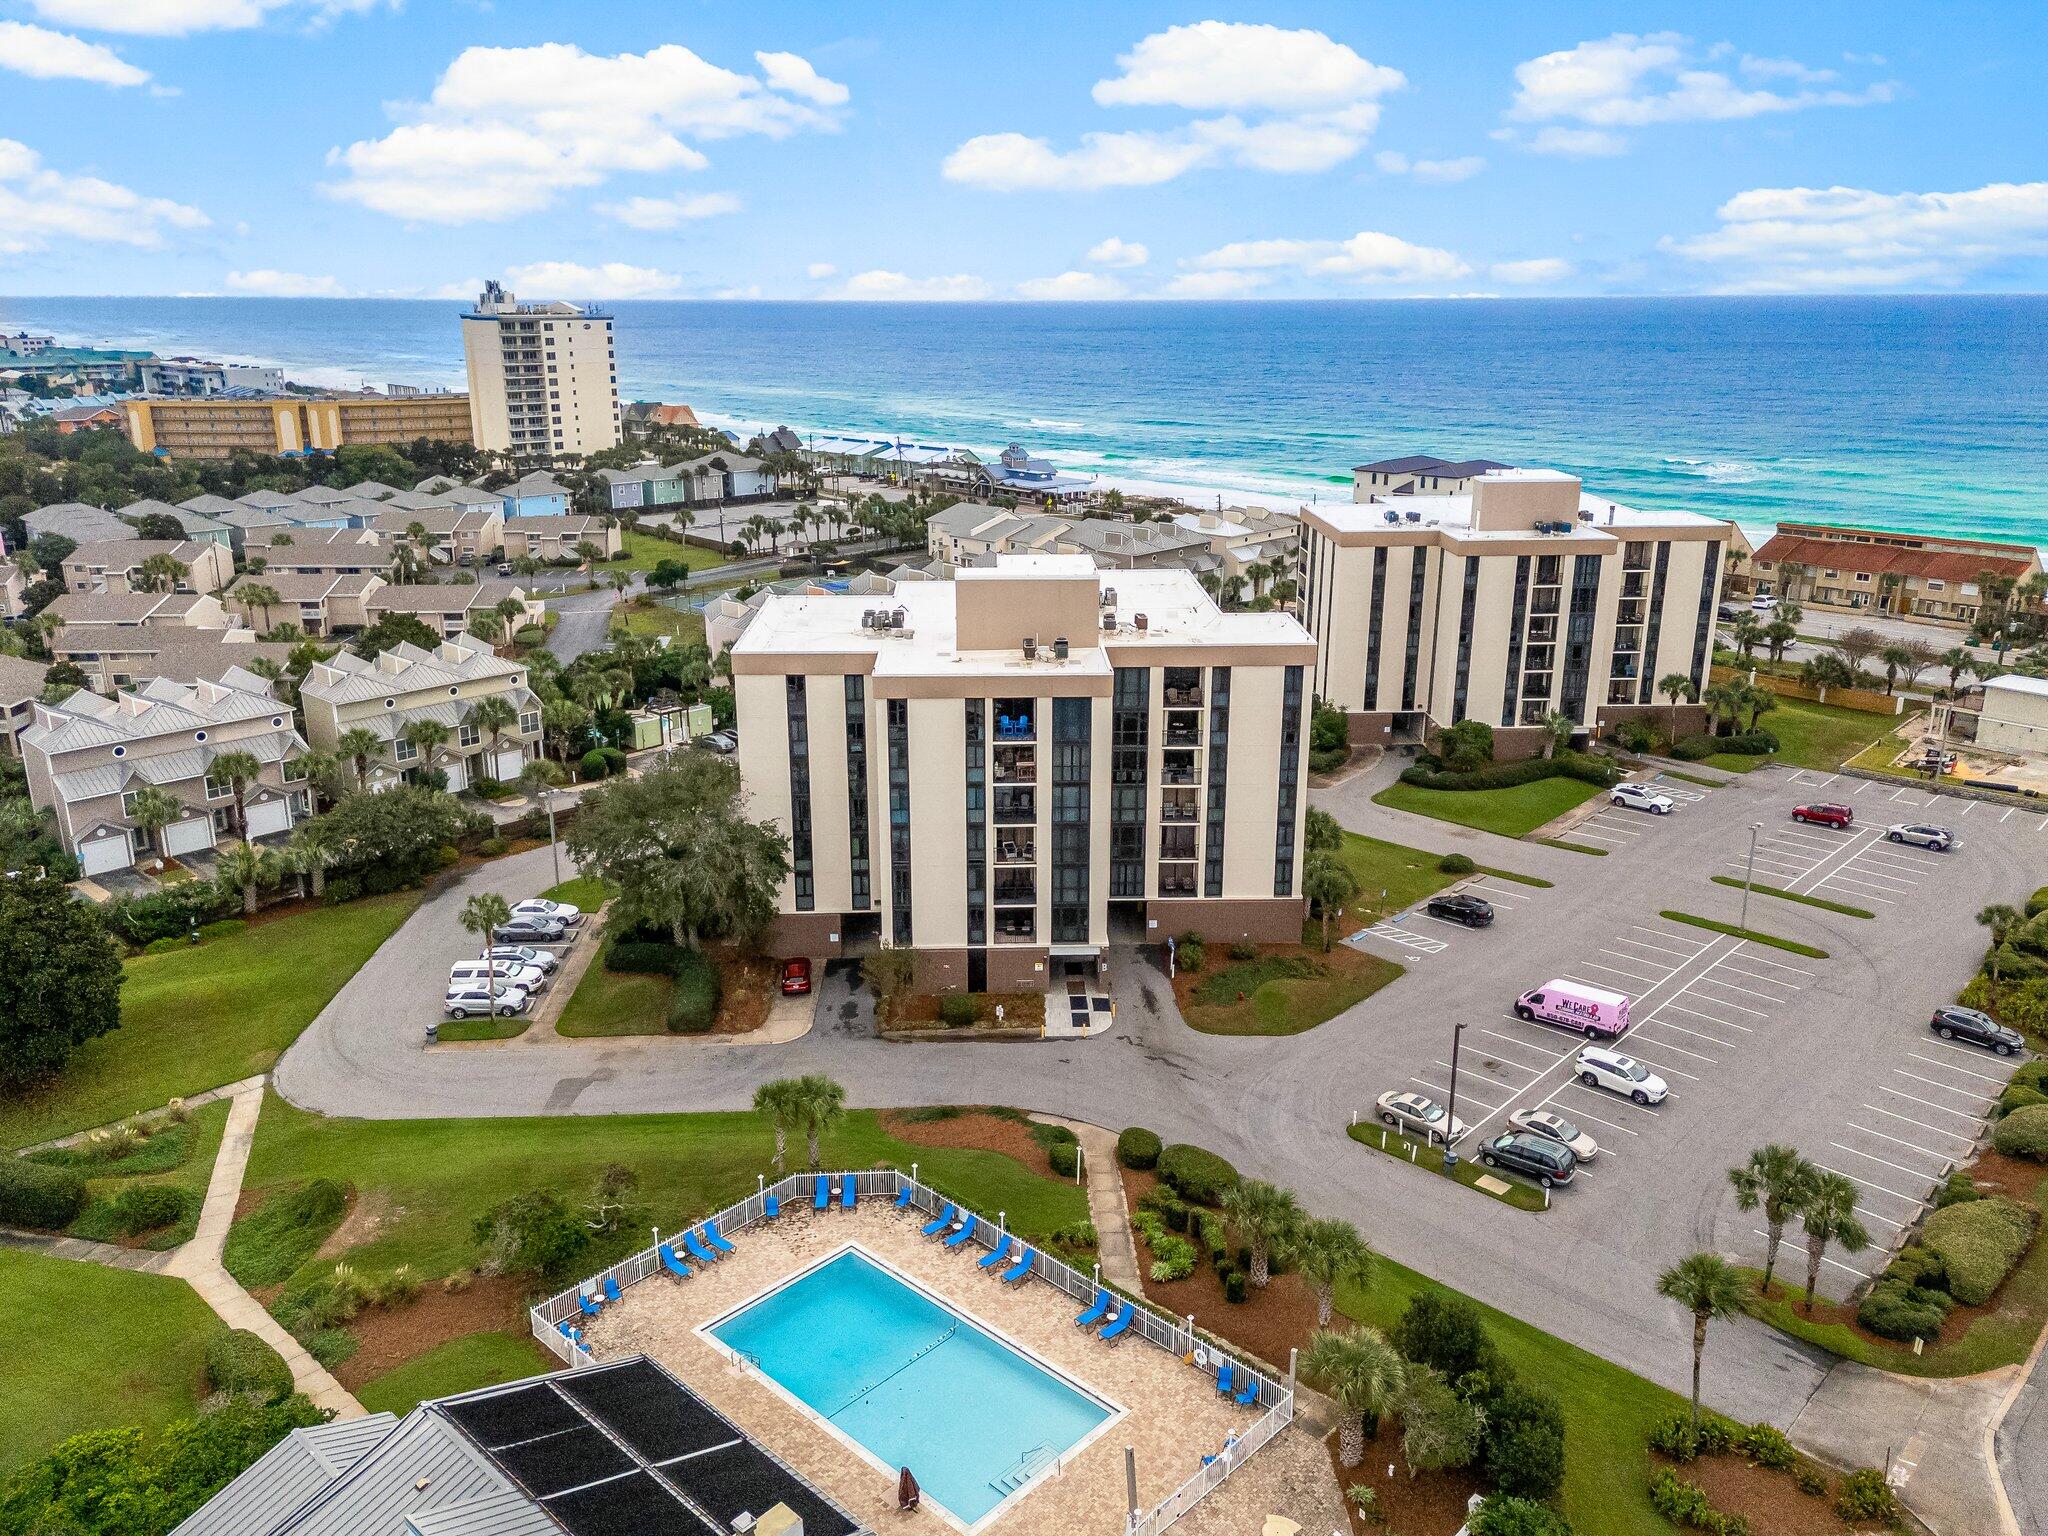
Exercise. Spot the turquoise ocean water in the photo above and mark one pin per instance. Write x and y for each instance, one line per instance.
(1909, 413)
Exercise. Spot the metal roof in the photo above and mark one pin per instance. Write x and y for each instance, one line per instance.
(301, 1465)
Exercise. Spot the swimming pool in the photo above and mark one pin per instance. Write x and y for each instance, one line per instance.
(912, 1382)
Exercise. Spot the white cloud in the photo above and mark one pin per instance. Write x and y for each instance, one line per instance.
(788, 72)
(1011, 162)
(45, 55)
(507, 130)
(743, 291)
(668, 212)
(1118, 252)
(1576, 143)
(817, 271)
(1391, 162)
(1072, 285)
(1631, 81)
(1369, 256)
(1538, 269)
(1234, 66)
(1809, 239)
(175, 18)
(1216, 285)
(880, 284)
(610, 280)
(40, 207)
(269, 283)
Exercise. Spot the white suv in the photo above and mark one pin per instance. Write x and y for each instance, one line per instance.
(1643, 797)
(1599, 1068)
(508, 973)
(465, 1002)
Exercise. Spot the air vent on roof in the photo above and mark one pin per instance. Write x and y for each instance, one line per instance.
(1142, 622)
(1414, 517)
(1109, 597)
(1393, 516)
(1030, 647)
(1108, 619)
(897, 619)
(1059, 648)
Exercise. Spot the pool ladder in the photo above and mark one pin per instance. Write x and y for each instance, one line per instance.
(1026, 1467)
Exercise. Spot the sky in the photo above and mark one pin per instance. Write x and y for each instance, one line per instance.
(1051, 151)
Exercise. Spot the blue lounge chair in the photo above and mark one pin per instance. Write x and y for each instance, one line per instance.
(698, 1251)
(849, 1189)
(966, 1231)
(822, 1197)
(588, 1307)
(942, 1221)
(1093, 1315)
(1223, 1379)
(573, 1335)
(611, 1288)
(674, 1265)
(904, 1195)
(1117, 1329)
(1020, 1269)
(716, 1238)
(771, 1206)
(1249, 1395)
(995, 1255)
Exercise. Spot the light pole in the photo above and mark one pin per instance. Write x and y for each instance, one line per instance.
(1451, 1111)
(547, 800)
(1749, 874)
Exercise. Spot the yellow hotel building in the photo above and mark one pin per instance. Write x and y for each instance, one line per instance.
(215, 427)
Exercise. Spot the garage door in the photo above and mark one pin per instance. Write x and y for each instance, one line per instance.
(273, 816)
(188, 836)
(510, 761)
(105, 856)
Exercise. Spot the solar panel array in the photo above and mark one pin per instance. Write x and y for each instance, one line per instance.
(627, 1450)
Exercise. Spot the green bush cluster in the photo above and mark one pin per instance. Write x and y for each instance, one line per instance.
(1566, 765)
(1522, 1447)
(1769, 1447)
(642, 957)
(37, 1195)
(693, 1002)
(1190, 952)
(957, 1010)
(1502, 1514)
(492, 847)
(1197, 1176)
(1138, 1148)
(1957, 1189)
(1173, 1258)
(144, 1208)
(1455, 864)
(1243, 949)
(1234, 1283)
(1065, 1158)
(238, 1361)
(1866, 1495)
(1076, 1234)
(1686, 1503)
(532, 1234)
(170, 912)
(2038, 902)
(1911, 1299)
(2019, 1096)
(2023, 1133)
(1980, 1241)
(1691, 749)
(602, 763)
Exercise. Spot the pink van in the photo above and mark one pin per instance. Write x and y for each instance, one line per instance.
(1589, 1011)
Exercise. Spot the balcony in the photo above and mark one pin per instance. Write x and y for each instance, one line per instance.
(1016, 765)
(1548, 601)
(1016, 850)
(1542, 631)
(1016, 889)
(1178, 843)
(1184, 730)
(1015, 925)
(1188, 696)
(1012, 807)
(1016, 720)
(1177, 880)
(1180, 805)
(1180, 767)
(1632, 611)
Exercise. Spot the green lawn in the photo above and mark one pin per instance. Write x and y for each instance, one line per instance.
(197, 1018)
(1607, 1410)
(460, 1365)
(644, 552)
(196, 1144)
(1390, 876)
(93, 1349)
(1284, 994)
(651, 618)
(1514, 812)
(615, 1003)
(435, 1177)
(1784, 895)
(1820, 736)
(1715, 925)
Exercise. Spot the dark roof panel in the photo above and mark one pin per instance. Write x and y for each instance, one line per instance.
(649, 1411)
(556, 1463)
(628, 1506)
(744, 1479)
(504, 1418)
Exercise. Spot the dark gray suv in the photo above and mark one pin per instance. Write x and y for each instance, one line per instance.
(1545, 1161)
(1974, 1028)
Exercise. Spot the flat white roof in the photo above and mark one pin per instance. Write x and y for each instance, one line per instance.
(1454, 514)
(2017, 683)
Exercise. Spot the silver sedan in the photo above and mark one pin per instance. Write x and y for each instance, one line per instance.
(1554, 1127)
(1921, 835)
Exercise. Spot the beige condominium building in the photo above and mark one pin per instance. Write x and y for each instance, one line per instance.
(117, 565)
(406, 685)
(1519, 596)
(1000, 770)
(217, 426)
(542, 378)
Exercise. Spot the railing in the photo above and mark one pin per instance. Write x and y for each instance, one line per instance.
(1176, 1337)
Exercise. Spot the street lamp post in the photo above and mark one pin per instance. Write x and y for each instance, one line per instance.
(547, 800)
(1451, 1111)
(1749, 874)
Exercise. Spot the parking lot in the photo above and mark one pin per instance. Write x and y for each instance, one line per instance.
(1756, 1044)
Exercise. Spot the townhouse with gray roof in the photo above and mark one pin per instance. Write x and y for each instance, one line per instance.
(321, 603)
(115, 565)
(453, 533)
(450, 607)
(21, 684)
(114, 657)
(76, 521)
(406, 684)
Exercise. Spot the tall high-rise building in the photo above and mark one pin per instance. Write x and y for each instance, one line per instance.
(542, 378)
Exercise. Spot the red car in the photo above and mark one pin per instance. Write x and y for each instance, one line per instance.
(796, 977)
(1825, 814)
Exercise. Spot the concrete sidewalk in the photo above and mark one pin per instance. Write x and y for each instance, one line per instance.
(1114, 1246)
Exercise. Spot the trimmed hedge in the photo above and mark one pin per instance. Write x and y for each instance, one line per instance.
(2019, 1096)
(957, 1010)
(1565, 765)
(238, 1361)
(693, 1004)
(38, 1195)
(1979, 1242)
(1138, 1148)
(1691, 749)
(1455, 864)
(2023, 1133)
(1896, 1310)
(145, 1207)
(1195, 1175)
(1065, 1158)
(2038, 902)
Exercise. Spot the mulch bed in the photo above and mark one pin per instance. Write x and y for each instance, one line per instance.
(920, 1010)
(748, 984)
(387, 1337)
(1341, 960)
(1428, 1504)
(973, 1130)
(1771, 1501)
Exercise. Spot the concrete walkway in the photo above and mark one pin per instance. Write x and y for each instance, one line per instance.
(81, 1251)
(1114, 1246)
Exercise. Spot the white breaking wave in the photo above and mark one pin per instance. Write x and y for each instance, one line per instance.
(1721, 471)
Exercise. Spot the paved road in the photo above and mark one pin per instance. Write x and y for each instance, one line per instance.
(582, 621)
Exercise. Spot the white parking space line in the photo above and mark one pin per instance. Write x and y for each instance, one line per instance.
(1769, 981)
(1581, 1114)
(1968, 806)
(1615, 970)
(1975, 1094)
(1947, 1066)
(1466, 1097)
(1885, 1136)
(1777, 965)
(1600, 1097)
(1918, 1173)
(1694, 1013)
(1850, 1268)
(1651, 1061)
(1881, 1189)
(1524, 1045)
(1675, 938)
(1665, 1045)
(1697, 1035)
(1722, 1002)
(1495, 894)
(1596, 837)
(2007, 816)
(1683, 955)
(1860, 893)
(1616, 954)
(1968, 1117)
(1421, 943)
(1962, 1050)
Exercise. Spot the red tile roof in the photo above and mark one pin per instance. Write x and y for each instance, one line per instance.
(1879, 559)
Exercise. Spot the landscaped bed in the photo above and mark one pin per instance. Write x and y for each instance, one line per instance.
(1282, 989)
(964, 1010)
(1512, 812)
(1430, 1158)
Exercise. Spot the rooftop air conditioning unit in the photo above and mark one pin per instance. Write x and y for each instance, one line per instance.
(1414, 517)
(1109, 597)
(1141, 622)
(1393, 516)
(896, 620)
(1030, 648)
(1108, 621)
(1059, 648)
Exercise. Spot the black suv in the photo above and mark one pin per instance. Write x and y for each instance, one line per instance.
(1974, 1028)
(1455, 907)
(1547, 1162)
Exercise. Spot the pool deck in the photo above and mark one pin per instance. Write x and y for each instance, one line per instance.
(1173, 1416)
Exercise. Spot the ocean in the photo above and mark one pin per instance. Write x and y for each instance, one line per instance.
(1922, 414)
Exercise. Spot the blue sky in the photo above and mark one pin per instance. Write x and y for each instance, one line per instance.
(1055, 150)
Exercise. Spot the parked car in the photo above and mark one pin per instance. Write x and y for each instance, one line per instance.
(540, 906)
(1825, 813)
(1974, 1028)
(796, 977)
(1590, 1011)
(509, 973)
(543, 960)
(503, 570)
(468, 1002)
(529, 929)
(1601, 1068)
(1762, 604)
(1548, 1122)
(1547, 1162)
(1457, 907)
(1419, 1115)
(723, 742)
(1728, 613)
(1642, 797)
(1920, 835)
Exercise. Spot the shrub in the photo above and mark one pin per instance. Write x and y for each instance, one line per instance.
(642, 957)
(1568, 765)
(2038, 902)
(1674, 1437)
(1768, 1447)
(1173, 1258)
(1684, 1503)
(1897, 1310)
(1446, 1333)
(1189, 952)
(1918, 1265)
(1138, 1148)
(1636, 734)
(1233, 1286)
(1866, 1496)
(1065, 1158)
(145, 1207)
(164, 946)
(2033, 1075)
(1979, 1242)
(1505, 1515)
(1748, 743)
(693, 1003)
(957, 1010)
(37, 1195)
(492, 847)
(1523, 1443)
(1327, 759)
(2018, 1096)
(1717, 1436)
(1466, 746)
(171, 912)
(238, 1361)
(594, 764)
(1076, 1234)
(1210, 1228)
(1244, 949)
(1956, 1189)
(2023, 1133)
(533, 1234)
(1195, 1175)
(1455, 864)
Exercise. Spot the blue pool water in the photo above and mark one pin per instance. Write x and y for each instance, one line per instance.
(912, 1381)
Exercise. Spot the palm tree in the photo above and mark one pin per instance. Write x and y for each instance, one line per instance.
(1328, 1252)
(1328, 883)
(1557, 730)
(247, 866)
(2001, 920)
(426, 737)
(1722, 701)
(160, 573)
(1676, 686)
(494, 715)
(1781, 631)
(1747, 634)
(783, 1101)
(1775, 1178)
(1362, 1373)
(313, 848)
(1896, 659)
(152, 810)
(259, 596)
(357, 746)
(1265, 1217)
(487, 627)
(1828, 1213)
(822, 1102)
(1707, 1286)
(482, 915)
(240, 770)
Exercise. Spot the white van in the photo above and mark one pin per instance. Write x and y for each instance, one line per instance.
(510, 973)
(1590, 1011)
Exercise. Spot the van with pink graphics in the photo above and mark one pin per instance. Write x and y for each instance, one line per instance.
(1590, 1011)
